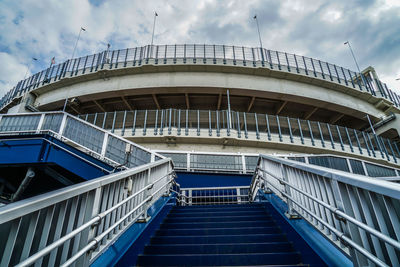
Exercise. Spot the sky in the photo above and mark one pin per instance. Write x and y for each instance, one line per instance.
(44, 29)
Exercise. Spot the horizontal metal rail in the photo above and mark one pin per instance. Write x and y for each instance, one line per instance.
(88, 137)
(79, 222)
(249, 126)
(203, 54)
(358, 211)
(213, 195)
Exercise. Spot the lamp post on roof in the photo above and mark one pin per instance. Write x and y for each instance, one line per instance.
(72, 57)
(152, 35)
(352, 53)
(259, 37)
(29, 66)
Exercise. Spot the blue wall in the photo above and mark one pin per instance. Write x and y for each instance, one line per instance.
(195, 180)
(32, 149)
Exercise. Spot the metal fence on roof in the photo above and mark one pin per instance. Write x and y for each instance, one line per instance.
(203, 54)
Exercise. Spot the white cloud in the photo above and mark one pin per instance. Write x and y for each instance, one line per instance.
(315, 28)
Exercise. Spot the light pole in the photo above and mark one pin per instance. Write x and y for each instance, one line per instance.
(152, 35)
(351, 50)
(259, 37)
(355, 60)
(77, 40)
(72, 57)
(29, 66)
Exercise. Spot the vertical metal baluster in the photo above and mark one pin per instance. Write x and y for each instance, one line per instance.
(366, 143)
(279, 62)
(320, 133)
(297, 65)
(287, 61)
(187, 123)
(372, 147)
(45, 232)
(257, 132)
(313, 66)
(123, 124)
(104, 120)
(305, 65)
(162, 123)
(330, 136)
(169, 123)
(391, 149)
(198, 123)
(268, 129)
(113, 123)
(311, 133)
(348, 138)
(290, 130)
(345, 78)
(245, 125)
(329, 70)
(217, 113)
(209, 123)
(337, 74)
(279, 128)
(134, 123)
(384, 147)
(156, 123)
(340, 137)
(238, 124)
(144, 123)
(179, 122)
(301, 131)
(358, 141)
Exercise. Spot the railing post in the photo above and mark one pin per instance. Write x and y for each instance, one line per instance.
(145, 217)
(290, 130)
(340, 137)
(62, 126)
(209, 123)
(92, 209)
(156, 123)
(279, 128)
(104, 146)
(187, 123)
(179, 122)
(134, 123)
(291, 213)
(40, 124)
(268, 129)
(244, 164)
(170, 118)
(198, 122)
(301, 131)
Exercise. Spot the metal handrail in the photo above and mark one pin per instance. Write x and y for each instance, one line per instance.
(214, 195)
(90, 138)
(133, 191)
(203, 54)
(341, 205)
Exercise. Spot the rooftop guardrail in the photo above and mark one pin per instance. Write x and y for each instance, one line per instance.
(203, 54)
(247, 126)
(360, 215)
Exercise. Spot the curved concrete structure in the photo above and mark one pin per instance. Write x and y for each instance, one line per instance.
(334, 101)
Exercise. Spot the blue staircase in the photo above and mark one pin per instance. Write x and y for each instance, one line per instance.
(223, 235)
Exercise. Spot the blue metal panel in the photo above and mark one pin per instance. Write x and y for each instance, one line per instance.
(125, 250)
(195, 180)
(39, 149)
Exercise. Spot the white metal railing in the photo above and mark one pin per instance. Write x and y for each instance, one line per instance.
(213, 195)
(361, 213)
(79, 222)
(94, 140)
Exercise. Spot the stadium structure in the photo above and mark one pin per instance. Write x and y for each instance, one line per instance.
(199, 155)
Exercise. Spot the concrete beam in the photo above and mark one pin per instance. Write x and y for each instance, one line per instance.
(187, 101)
(281, 107)
(99, 106)
(127, 103)
(251, 103)
(336, 118)
(156, 101)
(219, 102)
(310, 113)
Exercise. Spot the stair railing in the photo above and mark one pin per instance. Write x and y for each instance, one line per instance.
(214, 195)
(77, 223)
(86, 136)
(358, 213)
